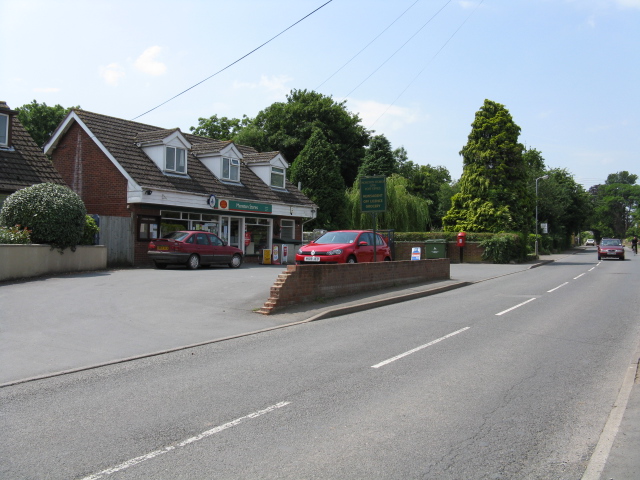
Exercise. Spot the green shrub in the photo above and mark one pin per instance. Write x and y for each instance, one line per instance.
(503, 248)
(90, 231)
(15, 235)
(54, 214)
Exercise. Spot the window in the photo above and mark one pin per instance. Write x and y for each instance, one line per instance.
(176, 160)
(288, 229)
(203, 239)
(4, 130)
(277, 177)
(231, 169)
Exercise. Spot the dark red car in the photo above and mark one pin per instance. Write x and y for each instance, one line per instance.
(193, 248)
(610, 248)
(344, 246)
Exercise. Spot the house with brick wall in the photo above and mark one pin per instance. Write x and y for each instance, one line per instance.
(22, 162)
(143, 181)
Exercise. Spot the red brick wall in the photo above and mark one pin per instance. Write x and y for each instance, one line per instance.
(308, 283)
(104, 188)
(472, 252)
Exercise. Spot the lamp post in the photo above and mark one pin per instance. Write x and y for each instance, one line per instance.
(544, 177)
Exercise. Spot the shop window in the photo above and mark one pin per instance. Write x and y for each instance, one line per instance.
(148, 228)
(288, 229)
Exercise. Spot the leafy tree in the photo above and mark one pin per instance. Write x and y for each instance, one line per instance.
(493, 185)
(287, 126)
(41, 120)
(615, 205)
(379, 159)
(219, 128)
(318, 170)
(53, 213)
(404, 213)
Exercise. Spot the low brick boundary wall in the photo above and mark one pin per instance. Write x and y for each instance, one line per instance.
(24, 261)
(309, 283)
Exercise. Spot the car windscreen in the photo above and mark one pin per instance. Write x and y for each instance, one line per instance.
(179, 236)
(611, 242)
(337, 237)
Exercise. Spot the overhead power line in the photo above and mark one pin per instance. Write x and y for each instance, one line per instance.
(238, 60)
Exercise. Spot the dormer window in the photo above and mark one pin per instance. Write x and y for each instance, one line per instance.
(4, 130)
(175, 160)
(277, 177)
(231, 169)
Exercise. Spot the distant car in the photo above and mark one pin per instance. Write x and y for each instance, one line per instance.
(590, 242)
(193, 248)
(344, 246)
(610, 248)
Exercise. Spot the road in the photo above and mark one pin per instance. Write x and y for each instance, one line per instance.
(512, 378)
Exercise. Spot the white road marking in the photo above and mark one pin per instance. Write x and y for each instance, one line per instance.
(559, 286)
(208, 433)
(513, 308)
(397, 357)
(575, 278)
(591, 268)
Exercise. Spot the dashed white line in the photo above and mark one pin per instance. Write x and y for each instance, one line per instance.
(516, 306)
(208, 433)
(559, 286)
(575, 278)
(591, 268)
(397, 357)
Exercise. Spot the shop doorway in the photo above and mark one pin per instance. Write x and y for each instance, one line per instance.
(230, 231)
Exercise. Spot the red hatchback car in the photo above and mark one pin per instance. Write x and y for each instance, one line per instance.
(193, 248)
(610, 248)
(344, 246)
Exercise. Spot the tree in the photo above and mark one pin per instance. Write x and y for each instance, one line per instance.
(53, 213)
(378, 159)
(318, 170)
(219, 128)
(616, 204)
(41, 120)
(287, 126)
(404, 213)
(493, 185)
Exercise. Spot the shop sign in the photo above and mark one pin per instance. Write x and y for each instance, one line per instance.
(239, 206)
(373, 194)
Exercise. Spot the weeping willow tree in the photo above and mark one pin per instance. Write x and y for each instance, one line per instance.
(405, 212)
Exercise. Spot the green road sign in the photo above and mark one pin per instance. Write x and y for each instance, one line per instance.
(373, 194)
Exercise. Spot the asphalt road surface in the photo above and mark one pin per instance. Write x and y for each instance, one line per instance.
(512, 378)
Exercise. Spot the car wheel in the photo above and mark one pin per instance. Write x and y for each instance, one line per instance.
(387, 259)
(193, 262)
(351, 259)
(236, 261)
(621, 258)
(161, 266)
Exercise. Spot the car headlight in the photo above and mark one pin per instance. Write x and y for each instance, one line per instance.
(337, 251)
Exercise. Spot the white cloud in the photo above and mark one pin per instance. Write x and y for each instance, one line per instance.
(382, 116)
(275, 84)
(148, 64)
(112, 74)
(628, 3)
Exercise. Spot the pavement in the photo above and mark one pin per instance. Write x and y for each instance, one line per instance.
(50, 337)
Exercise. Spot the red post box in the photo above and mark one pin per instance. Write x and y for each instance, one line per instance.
(462, 239)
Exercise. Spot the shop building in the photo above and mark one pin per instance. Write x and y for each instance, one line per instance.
(142, 182)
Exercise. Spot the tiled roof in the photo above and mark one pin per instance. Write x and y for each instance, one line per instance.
(264, 157)
(155, 135)
(119, 138)
(24, 164)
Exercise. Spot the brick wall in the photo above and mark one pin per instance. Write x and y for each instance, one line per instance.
(104, 188)
(308, 283)
(472, 251)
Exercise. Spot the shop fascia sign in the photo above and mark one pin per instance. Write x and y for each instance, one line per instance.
(240, 206)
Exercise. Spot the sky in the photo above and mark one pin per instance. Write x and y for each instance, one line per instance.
(416, 71)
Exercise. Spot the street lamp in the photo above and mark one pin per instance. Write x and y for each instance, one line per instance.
(544, 177)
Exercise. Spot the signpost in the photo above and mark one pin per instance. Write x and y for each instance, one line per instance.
(373, 199)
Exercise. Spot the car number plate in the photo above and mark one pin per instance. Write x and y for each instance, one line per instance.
(163, 248)
(311, 259)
